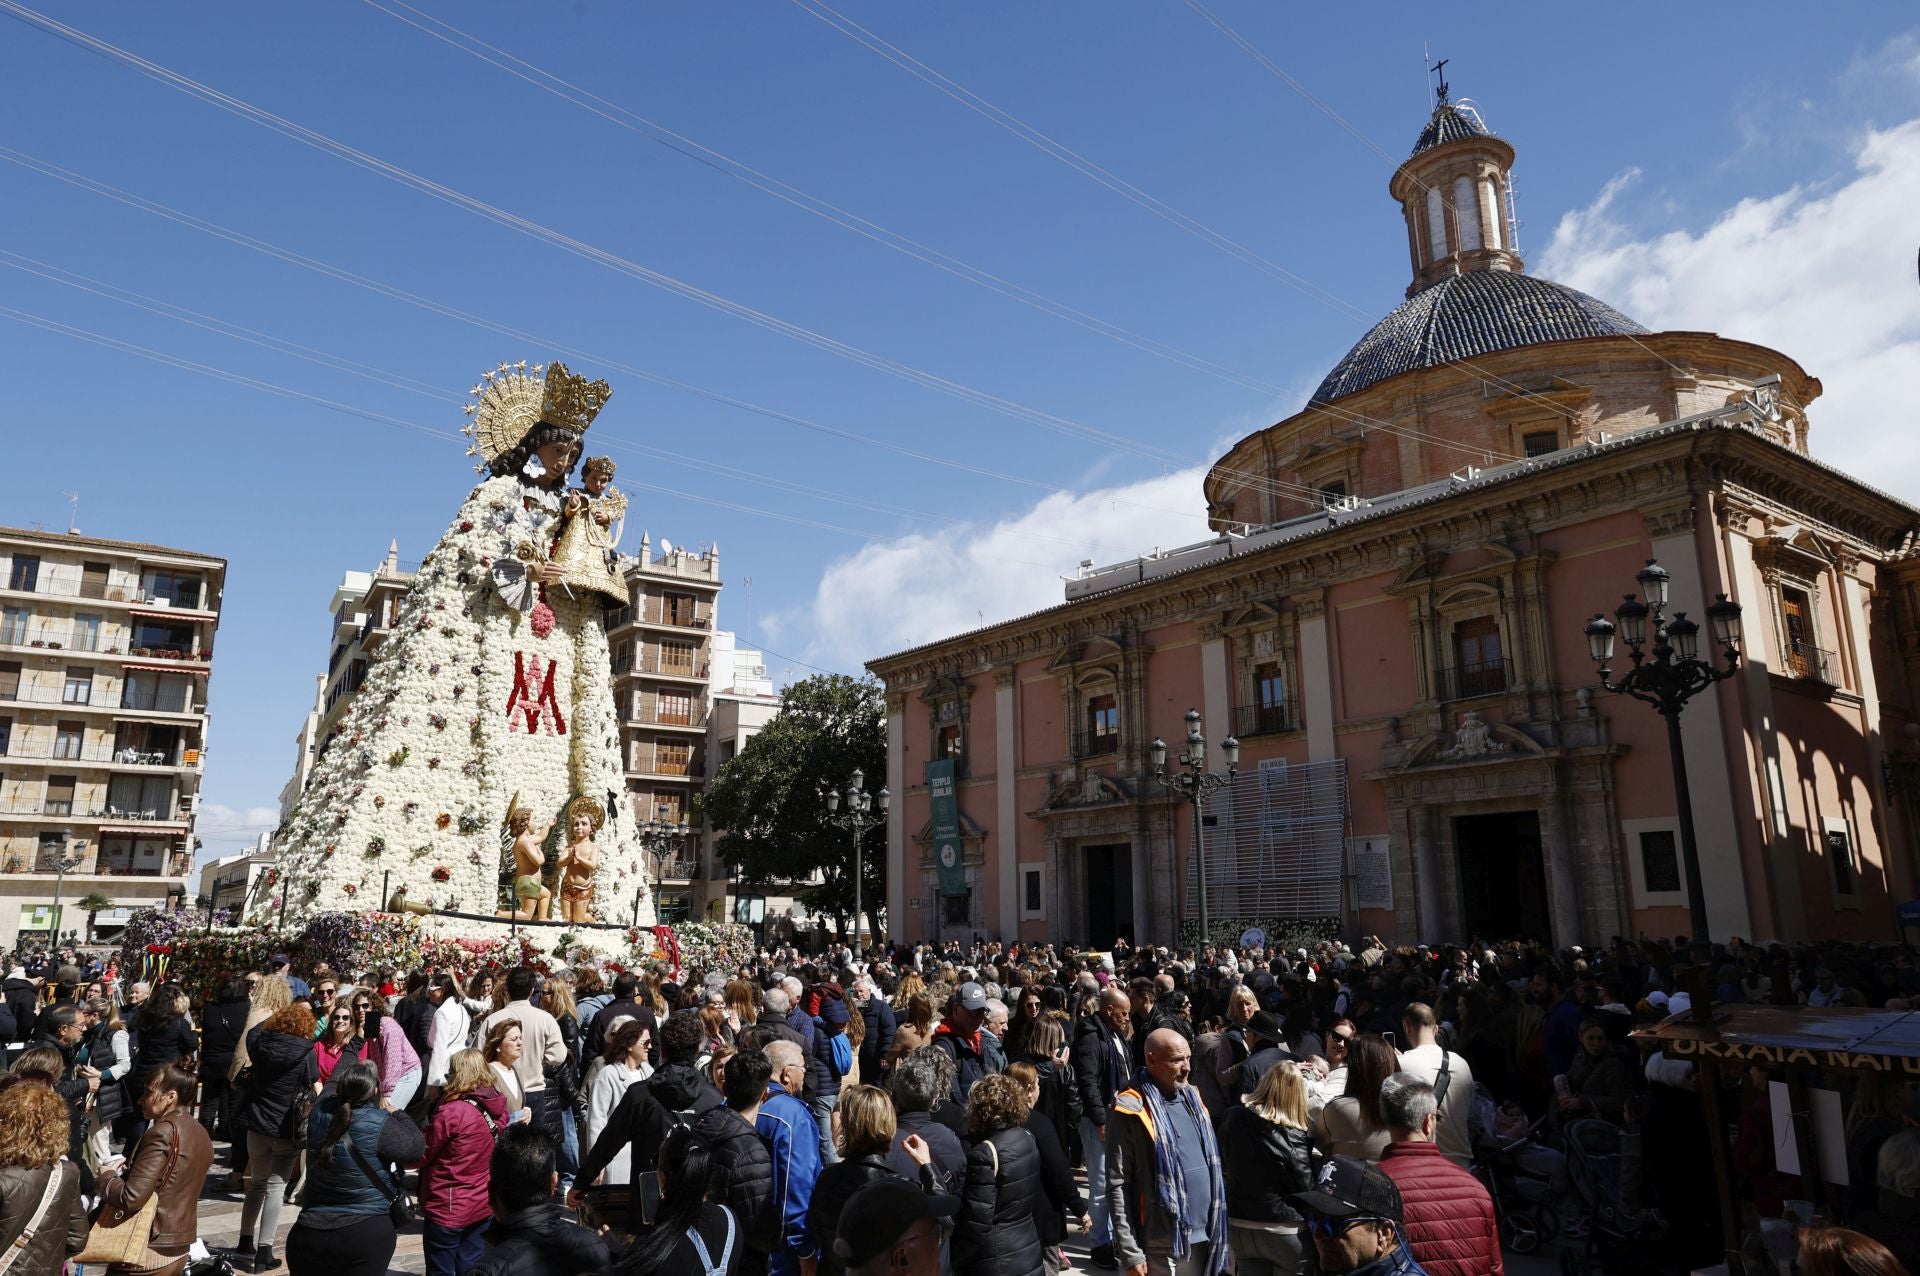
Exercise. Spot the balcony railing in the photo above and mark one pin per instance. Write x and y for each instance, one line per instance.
(1485, 679)
(1804, 661)
(1264, 719)
(1090, 743)
(678, 869)
(652, 663)
(655, 611)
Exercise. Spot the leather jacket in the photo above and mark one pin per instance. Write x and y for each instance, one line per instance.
(63, 1230)
(173, 1159)
(1263, 1164)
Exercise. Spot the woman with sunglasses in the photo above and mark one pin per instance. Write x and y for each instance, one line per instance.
(344, 1037)
(1323, 1089)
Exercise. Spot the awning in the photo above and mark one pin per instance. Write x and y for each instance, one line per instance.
(159, 828)
(169, 666)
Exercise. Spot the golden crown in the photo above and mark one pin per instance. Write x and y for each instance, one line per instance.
(512, 399)
(588, 807)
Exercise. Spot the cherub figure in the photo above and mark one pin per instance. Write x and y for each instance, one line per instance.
(532, 900)
(580, 860)
(585, 550)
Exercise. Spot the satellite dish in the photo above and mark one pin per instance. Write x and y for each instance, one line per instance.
(666, 546)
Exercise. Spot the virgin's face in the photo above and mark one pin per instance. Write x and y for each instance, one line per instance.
(558, 457)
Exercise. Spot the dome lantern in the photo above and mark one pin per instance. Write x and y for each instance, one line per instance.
(1455, 192)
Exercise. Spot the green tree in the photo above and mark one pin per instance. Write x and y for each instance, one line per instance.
(769, 804)
(92, 903)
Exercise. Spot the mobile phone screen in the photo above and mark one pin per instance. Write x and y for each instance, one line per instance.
(1391, 1040)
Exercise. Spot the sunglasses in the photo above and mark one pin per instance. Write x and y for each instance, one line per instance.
(1323, 1225)
(323, 992)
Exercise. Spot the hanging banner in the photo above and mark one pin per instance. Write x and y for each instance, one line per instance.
(944, 806)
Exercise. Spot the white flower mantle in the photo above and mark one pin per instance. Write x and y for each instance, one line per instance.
(464, 710)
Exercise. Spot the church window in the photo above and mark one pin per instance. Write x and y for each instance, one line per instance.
(1436, 225)
(1478, 668)
(1804, 657)
(1659, 860)
(1466, 213)
(1839, 848)
(1334, 490)
(1540, 442)
(948, 744)
(1102, 725)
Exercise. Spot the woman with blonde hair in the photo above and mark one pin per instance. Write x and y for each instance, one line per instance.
(501, 1051)
(864, 1130)
(1266, 1152)
(37, 1186)
(911, 986)
(109, 1101)
(454, 1172)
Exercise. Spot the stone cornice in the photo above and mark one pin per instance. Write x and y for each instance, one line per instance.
(1653, 472)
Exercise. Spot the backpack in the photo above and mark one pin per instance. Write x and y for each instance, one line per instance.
(841, 1052)
(711, 1265)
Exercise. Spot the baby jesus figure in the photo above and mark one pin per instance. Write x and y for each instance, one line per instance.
(532, 901)
(585, 549)
(580, 860)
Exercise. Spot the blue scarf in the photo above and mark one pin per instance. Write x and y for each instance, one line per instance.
(1175, 1195)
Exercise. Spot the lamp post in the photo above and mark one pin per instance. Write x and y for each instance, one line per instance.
(1666, 675)
(864, 811)
(659, 837)
(1193, 783)
(61, 864)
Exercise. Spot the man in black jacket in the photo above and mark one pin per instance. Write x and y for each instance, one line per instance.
(22, 998)
(61, 1028)
(881, 1026)
(1102, 1062)
(531, 1235)
(1267, 1045)
(678, 1094)
(742, 1165)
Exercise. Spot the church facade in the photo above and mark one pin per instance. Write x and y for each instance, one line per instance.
(1390, 623)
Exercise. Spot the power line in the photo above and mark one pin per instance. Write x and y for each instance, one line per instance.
(446, 194)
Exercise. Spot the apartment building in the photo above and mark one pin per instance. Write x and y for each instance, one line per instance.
(106, 648)
(662, 647)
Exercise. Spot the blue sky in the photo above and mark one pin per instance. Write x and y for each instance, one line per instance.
(1701, 141)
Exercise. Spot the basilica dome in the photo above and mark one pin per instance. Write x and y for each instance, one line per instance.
(1467, 315)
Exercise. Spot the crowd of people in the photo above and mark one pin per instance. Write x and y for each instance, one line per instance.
(1329, 1108)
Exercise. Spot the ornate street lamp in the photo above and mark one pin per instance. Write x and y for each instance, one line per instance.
(864, 811)
(1193, 782)
(659, 838)
(1666, 676)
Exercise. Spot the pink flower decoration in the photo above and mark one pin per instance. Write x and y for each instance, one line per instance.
(542, 620)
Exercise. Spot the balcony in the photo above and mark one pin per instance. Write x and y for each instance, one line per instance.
(677, 869)
(692, 670)
(103, 756)
(1813, 664)
(1264, 719)
(693, 717)
(690, 614)
(1488, 678)
(1090, 743)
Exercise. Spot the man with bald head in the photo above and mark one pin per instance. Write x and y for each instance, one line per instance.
(1102, 1063)
(1165, 1190)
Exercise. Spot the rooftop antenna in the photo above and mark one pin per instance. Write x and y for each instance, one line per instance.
(747, 582)
(1426, 56)
(73, 517)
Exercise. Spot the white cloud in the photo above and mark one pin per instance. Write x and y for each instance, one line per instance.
(914, 589)
(1824, 275)
(225, 829)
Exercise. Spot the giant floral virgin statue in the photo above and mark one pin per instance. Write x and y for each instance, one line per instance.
(489, 711)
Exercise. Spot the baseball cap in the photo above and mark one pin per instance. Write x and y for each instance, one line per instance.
(1351, 1188)
(876, 1216)
(1265, 1025)
(971, 996)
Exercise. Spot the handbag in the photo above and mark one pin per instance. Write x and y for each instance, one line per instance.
(399, 1205)
(25, 1238)
(124, 1242)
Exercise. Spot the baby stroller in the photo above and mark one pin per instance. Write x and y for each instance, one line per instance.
(1603, 1164)
(1518, 1171)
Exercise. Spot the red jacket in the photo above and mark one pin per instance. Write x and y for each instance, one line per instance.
(1450, 1224)
(453, 1173)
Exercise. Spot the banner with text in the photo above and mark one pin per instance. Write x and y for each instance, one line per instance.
(944, 806)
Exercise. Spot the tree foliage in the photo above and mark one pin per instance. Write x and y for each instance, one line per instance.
(768, 802)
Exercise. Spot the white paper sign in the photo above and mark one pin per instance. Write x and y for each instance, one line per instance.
(1371, 866)
(1829, 1132)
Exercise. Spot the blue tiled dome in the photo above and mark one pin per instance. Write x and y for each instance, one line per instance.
(1448, 124)
(1467, 315)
